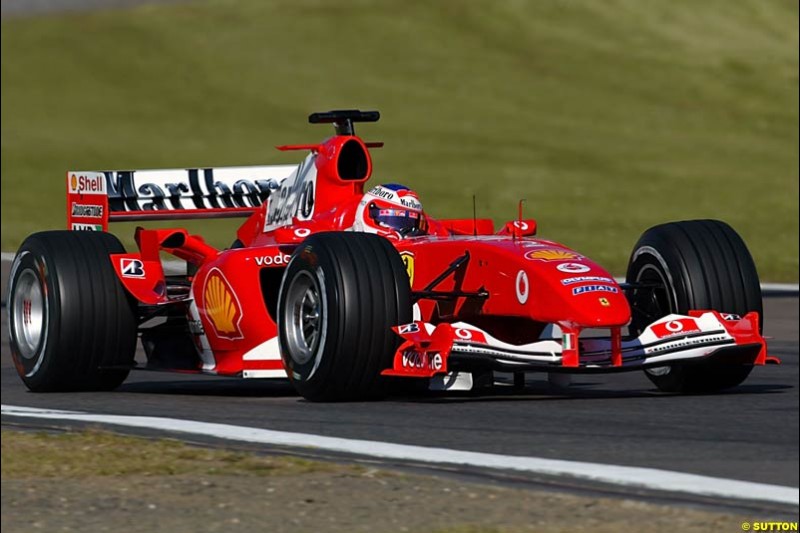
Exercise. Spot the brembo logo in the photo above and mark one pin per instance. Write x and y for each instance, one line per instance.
(222, 306)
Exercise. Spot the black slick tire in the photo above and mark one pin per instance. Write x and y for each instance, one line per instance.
(340, 295)
(72, 325)
(700, 264)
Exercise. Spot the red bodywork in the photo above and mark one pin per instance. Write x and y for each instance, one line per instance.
(507, 285)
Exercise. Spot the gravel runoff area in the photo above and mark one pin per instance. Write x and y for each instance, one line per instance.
(98, 481)
(335, 501)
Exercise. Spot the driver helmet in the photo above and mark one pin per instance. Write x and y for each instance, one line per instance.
(390, 210)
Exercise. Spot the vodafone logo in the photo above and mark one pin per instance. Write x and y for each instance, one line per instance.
(674, 326)
(521, 225)
(522, 287)
(472, 335)
(680, 326)
(463, 333)
(272, 260)
(573, 268)
(302, 232)
(421, 361)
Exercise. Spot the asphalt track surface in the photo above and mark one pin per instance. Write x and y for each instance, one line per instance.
(749, 434)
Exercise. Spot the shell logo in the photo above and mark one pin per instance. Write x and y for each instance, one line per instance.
(551, 255)
(73, 182)
(222, 306)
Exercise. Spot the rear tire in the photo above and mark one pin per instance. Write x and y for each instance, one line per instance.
(702, 264)
(70, 318)
(340, 295)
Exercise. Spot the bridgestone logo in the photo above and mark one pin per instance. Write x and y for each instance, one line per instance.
(87, 211)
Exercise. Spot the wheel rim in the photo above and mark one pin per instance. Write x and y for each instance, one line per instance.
(649, 305)
(29, 312)
(303, 318)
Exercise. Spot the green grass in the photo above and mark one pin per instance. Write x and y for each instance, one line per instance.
(608, 117)
(90, 453)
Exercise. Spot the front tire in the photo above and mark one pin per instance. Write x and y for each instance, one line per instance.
(72, 325)
(341, 293)
(698, 264)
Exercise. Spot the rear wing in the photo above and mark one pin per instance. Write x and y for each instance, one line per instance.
(96, 198)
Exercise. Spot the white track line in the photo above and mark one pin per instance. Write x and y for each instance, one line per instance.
(780, 287)
(648, 478)
(766, 287)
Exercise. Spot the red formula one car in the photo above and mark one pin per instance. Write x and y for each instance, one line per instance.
(345, 291)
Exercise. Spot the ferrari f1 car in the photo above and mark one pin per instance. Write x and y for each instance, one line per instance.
(348, 292)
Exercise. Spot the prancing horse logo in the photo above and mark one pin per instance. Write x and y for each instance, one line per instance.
(408, 261)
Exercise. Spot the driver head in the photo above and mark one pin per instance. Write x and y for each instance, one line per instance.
(390, 210)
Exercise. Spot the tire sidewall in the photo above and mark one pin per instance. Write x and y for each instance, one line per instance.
(31, 370)
(694, 280)
(309, 261)
(364, 292)
(91, 321)
(653, 255)
(648, 258)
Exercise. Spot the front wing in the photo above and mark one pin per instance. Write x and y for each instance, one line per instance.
(431, 350)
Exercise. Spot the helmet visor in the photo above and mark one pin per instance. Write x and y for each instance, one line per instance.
(404, 221)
